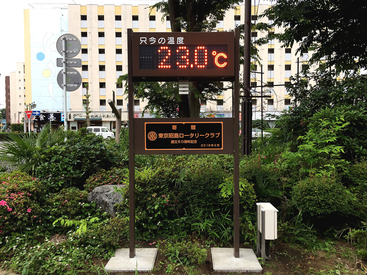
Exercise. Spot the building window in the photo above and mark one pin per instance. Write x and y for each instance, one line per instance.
(254, 101)
(117, 17)
(118, 38)
(84, 34)
(220, 102)
(119, 68)
(253, 34)
(119, 102)
(102, 102)
(287, 101)
(102, 68)
(84, 51)
(136, 102)
(168, 22)
(253, 17)
(85, 68)
(101, 38)
(270, 84)
(135, 22)
(288, 50)
(83, 17)
(101, 51)
(254, 84)
(287, 67)
(237, 18)
(100, 17)
(152, 18)
(119, 55)
(271, 67)
(102, 85)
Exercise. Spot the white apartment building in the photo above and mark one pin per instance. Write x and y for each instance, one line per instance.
(17, 93)
(102, 31)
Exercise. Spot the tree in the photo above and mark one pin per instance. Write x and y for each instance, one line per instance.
(194, 16)
(331, 29)
(3, 113)
(87, 104)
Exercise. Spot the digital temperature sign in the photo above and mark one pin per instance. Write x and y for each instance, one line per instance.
(159, 56)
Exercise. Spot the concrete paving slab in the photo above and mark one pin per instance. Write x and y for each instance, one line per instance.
(143, 261)
(224, 260)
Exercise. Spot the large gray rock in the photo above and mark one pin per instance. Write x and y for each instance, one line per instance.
(106, 197)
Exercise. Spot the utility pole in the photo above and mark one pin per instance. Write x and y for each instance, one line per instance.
(246, 105)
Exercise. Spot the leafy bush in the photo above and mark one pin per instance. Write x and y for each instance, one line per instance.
(185, 253)
(357, 181)
(156, 203)
(67, 202)
(114, 176)
(258, 171)
(20, 198)
(323, 197)
(69, 164)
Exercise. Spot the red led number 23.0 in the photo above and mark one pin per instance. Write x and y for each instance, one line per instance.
(200, 58)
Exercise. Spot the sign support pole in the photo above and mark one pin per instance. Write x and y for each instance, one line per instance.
(236, 191)
(64, 81)
(131, 150)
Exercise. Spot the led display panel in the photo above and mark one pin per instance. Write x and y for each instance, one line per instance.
(183, 55)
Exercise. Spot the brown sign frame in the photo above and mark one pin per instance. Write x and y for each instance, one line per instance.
(135, 133)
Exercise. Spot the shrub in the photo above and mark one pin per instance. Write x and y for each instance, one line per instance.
(185, 253)
(68, 202)
(20, 197)
(323, 197)
(358, 186)
(258, 171)
(155, 201)
(114, 176)
(69, 164)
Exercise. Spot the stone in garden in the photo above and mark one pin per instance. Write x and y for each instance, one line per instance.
(106, 197)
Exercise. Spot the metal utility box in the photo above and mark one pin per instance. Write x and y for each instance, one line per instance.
(270, 218)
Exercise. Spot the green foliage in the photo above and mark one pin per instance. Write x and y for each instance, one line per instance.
(157, 202)
(17, 127)
(194, 15)
(185, 252)
(75, 255)
(81, 225)
(20, 198)
(114, 176)
(67, 202)
(317, 91)
(262, 176)
(359, 238)
(331, 29)
(321, 197)
(69, 164)
(24, 151)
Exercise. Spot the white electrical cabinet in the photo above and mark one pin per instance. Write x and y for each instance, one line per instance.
(270, 220)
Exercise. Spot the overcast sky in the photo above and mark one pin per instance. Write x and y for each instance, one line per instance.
(12, 30)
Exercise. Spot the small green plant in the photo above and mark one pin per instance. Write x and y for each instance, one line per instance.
(81, 225)
(185, 253)
(359, 238)
(114, 176)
